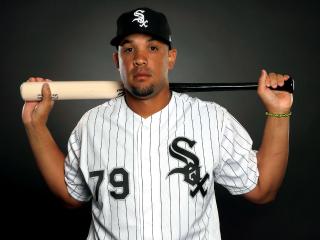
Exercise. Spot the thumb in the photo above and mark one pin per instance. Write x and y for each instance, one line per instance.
(46, 93)
(262, 80)
(46, 104)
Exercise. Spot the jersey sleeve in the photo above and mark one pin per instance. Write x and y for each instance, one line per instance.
(237, 170)
(74, 177)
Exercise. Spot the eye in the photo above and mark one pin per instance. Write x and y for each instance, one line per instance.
(154, 48)
(128, 50)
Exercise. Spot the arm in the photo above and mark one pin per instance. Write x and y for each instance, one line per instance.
(49, 158)
(273, 152)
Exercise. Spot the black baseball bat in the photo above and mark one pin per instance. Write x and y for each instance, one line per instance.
(207, 87)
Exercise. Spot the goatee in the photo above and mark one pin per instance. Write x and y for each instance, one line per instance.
(142, 92)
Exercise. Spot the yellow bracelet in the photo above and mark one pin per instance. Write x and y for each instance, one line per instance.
(278, 115)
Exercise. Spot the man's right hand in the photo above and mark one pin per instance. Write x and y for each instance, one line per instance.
(36, 113)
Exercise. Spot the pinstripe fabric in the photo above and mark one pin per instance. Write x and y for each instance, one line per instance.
(122, 161)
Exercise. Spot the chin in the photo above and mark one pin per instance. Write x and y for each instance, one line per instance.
(142, 92)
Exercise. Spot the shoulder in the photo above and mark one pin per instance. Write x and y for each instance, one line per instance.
(101, 111)
(201, 105)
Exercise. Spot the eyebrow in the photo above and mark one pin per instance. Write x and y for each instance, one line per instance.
(124, 42)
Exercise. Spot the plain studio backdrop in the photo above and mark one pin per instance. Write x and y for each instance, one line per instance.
(217, 41)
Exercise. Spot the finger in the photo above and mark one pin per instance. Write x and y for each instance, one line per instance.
(286, 77)
(39, 79)
(268, 81)
(31, 79)
(280, 79)
(27, 111)
(29, 106)
(273, 80)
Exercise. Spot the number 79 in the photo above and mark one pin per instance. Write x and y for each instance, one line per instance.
(118, 178)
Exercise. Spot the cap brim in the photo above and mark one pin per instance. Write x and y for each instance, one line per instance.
(116, 41)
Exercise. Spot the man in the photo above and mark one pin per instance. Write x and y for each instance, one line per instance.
(149, 159)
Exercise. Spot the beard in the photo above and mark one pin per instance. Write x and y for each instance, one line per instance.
(142, 92)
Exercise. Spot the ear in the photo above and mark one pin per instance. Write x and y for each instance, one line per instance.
(115, 58)
(172, 55)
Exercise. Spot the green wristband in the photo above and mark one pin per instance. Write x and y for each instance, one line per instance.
(278, 115)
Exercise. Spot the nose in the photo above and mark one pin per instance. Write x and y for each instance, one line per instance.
(140, 59)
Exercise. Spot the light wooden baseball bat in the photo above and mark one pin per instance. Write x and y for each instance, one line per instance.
(69, 90)
(64, 90)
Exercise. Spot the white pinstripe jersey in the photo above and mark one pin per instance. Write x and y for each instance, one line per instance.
(153, 178)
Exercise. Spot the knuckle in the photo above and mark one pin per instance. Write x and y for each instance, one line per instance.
(272, 74)
(280, 76)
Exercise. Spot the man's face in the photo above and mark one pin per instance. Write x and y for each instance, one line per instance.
(143, 63)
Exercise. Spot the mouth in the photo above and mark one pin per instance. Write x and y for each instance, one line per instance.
(141, 75)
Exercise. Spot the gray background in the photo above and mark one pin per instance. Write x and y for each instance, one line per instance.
(217, 41)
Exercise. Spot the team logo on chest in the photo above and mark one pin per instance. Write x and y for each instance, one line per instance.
(191, 170)
(140, 18)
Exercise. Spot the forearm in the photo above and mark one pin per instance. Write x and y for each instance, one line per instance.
(273, 154)
(272, 160)
(50, 161)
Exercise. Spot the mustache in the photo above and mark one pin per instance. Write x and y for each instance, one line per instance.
(144, 70)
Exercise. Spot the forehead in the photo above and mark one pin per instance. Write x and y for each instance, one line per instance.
(137, 38)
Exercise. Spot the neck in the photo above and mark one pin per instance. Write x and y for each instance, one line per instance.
(149, 106)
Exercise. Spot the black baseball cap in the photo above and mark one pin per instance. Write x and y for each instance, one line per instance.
(143, 20)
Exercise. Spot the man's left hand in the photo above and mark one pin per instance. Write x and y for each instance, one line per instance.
(274, 101)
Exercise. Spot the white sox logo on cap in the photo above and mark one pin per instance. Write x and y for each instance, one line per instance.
(145, 21)
(140, 18)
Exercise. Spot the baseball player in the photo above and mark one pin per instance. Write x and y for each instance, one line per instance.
(149, 160)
